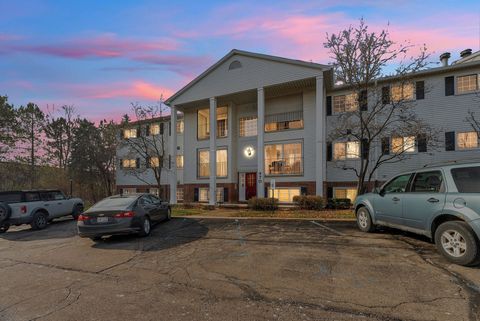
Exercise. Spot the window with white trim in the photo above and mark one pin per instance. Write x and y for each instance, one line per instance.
(284, 121)
(284, 194)
(130, 133)
(344, 192)
(179, 193)
(403, 144)
(400, 92)
(180, 126)
(204, 195)
(129, 163)
(345, 103)
(154, 162)
(346, 150)
(154, 129)
(179, 161)
(248, 126)
(467, 140)
(284, 159)
(467, 83)
(203, 123)
(129, 190)
(203, 170)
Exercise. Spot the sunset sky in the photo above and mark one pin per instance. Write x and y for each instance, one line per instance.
(102, 55)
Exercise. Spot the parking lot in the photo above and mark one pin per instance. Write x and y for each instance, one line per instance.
(215, 269)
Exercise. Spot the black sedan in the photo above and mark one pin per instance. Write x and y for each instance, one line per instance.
(123, 214)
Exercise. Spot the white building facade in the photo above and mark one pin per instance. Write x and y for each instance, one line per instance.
(255, 120)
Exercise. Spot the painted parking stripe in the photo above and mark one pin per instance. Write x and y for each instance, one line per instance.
(327, 228)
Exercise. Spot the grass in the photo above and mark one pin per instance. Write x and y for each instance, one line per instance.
(287, 213)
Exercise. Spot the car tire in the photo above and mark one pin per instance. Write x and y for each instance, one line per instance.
(169, 214)
(364, 220)
(4, 227)
(40, 221)
(77, 210)
(5, 211)
(457, 243)
(146, 227)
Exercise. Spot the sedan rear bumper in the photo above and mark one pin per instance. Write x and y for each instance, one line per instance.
(93, 230)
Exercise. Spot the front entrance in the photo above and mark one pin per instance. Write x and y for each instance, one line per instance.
(250, 185)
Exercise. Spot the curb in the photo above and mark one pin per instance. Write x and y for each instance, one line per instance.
(267, 218)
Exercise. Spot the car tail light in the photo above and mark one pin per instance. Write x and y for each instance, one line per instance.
(23, 209)
(82, 217)
(125, 214)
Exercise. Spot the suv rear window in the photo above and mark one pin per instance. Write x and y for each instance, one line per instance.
(11, 197)
(467, 179)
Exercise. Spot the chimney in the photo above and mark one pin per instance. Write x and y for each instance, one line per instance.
(444, 58)
(466, 53)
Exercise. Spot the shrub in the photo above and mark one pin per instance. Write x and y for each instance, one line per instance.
(309, 202)
(187, 205)
(263, 204)
(339, 203)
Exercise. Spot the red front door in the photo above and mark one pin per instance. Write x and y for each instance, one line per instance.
(250, 185)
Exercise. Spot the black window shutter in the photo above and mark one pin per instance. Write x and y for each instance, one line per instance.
(303, 190)
(138, 132)
(169, 129)
(330, 192)
(329, 105)
(329, 152)
(449, 86)
(169, 161)
(195, 194)
(147, 130)
(137, 162)
(422, 143)
(161, 128)
(121, 163)
(122, 133)
(225, 194)
(121, 191)
(365, 148)
(386, 95)
(420, 90)
(363, 100)
(449, 141)
(148, 162)
(385, 145)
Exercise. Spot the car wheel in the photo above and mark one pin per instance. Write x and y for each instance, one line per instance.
(96, 238)
(77, 210)
(146, 227)
(39, 221)
(4, 228)
(364, 220)
(457, 242)
(169, 214)
(5, 211)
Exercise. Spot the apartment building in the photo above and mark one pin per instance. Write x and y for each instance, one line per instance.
(255, 120)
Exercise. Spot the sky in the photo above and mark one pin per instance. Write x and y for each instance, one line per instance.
(101, 56)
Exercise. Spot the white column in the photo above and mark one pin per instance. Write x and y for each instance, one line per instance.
(320, 157)
(260, 142)
(173, 153)
(213, 151)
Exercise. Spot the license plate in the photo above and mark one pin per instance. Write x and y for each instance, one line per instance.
(102, 219)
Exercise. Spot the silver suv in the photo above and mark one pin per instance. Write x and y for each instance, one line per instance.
(441, 202)
(36, 207)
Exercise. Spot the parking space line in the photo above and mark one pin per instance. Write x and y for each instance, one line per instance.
(328, 228)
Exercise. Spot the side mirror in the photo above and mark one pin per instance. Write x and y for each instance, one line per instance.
(382, 192)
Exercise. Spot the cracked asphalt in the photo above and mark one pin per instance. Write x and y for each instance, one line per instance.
(216, 269)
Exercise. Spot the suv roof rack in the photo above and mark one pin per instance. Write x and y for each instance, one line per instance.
(459, 161)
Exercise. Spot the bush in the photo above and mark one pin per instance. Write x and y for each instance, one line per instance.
(187, 205)
(339, 203)
(263, 204)
(309, 202)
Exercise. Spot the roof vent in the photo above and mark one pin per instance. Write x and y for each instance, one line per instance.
(444, 58)
(466, 53)
(235, 65)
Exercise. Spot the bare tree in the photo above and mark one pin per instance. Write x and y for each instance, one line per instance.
(147, 145)
(380, 107)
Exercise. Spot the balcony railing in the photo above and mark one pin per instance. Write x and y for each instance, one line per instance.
(284, 166)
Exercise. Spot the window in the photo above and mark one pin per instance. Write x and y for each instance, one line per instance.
(204, 163)
(14, 197)
(154, 129)
(179, 193)
(154, 191)
(248, 126)
(467, 83)
(284, 121)
(467, 179)
(467, 140)
(203, 123)
(130, 133)
(284, 194)
(283, 159)
(129, 190)
(129, 163)
(180, 126)
(403, 144)
(203, 194)
(345, 103)
(428, 182)
(398, 184)
(31, 197)
(179, 161)
(400, 92)
(235, 65)
(154, 162)
(346, 150)
(350, 193)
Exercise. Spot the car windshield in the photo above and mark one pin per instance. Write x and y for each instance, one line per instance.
(113, 203)
(467, 179)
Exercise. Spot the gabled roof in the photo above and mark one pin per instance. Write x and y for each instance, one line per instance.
(246, 54)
